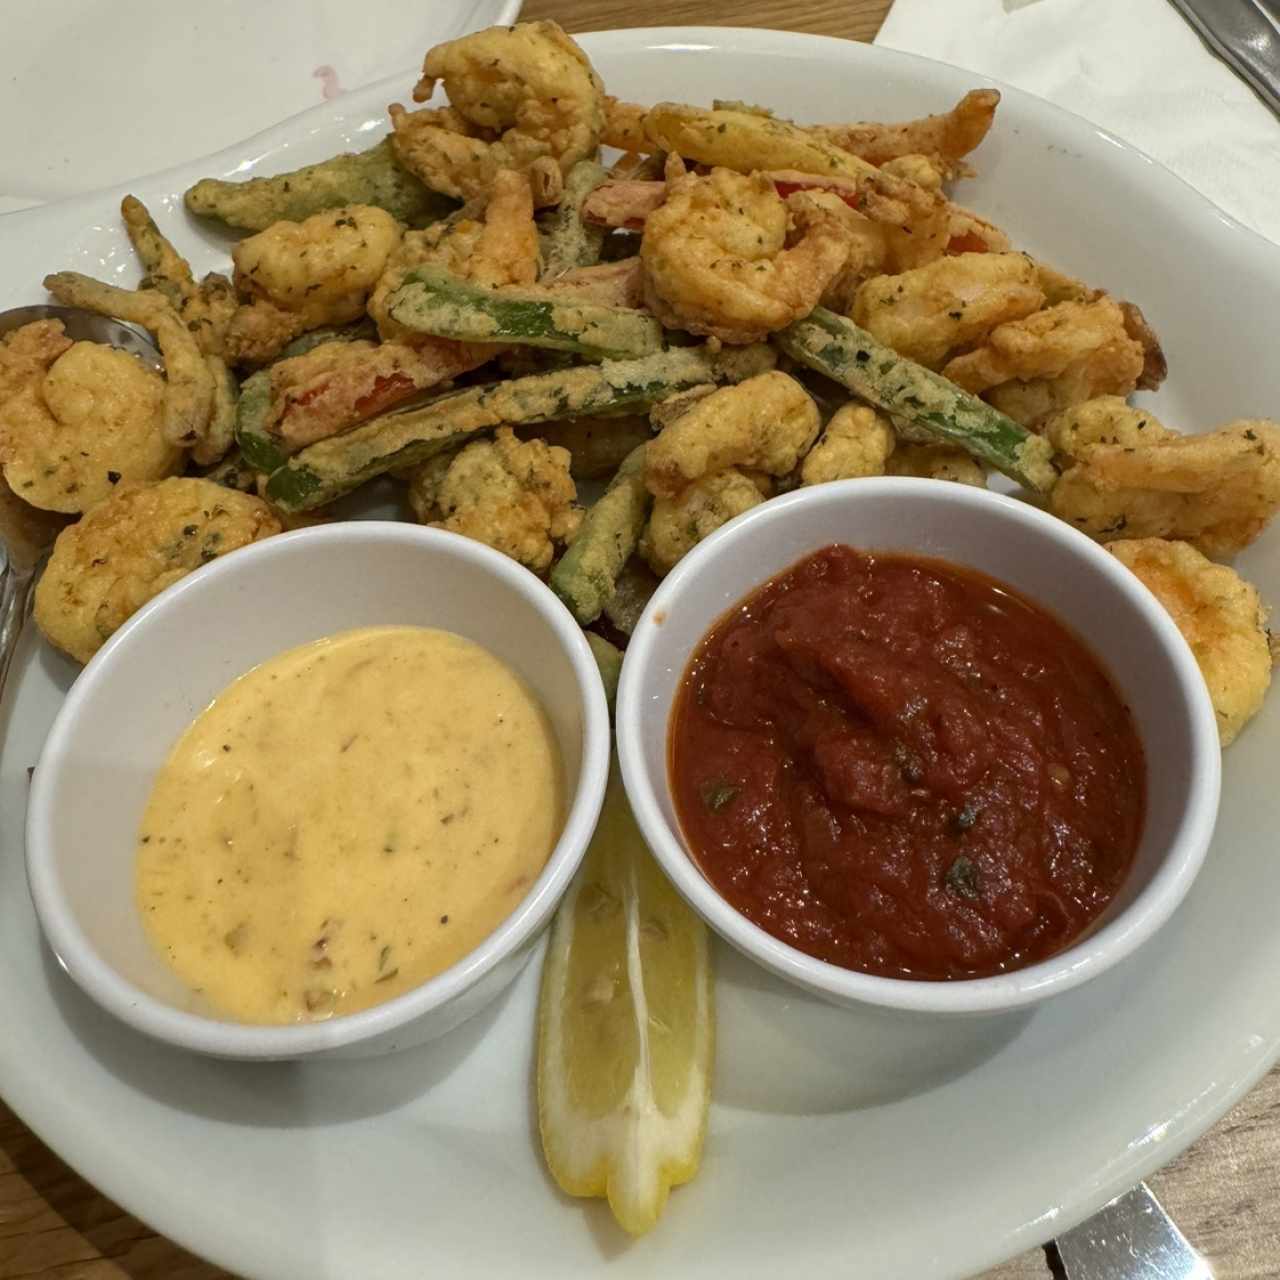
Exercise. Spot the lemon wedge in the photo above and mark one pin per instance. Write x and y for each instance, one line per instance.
(625, 1028)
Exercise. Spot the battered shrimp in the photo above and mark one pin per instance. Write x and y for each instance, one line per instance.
(766, 423)
(130, 547)
(936, 462)
(1127, 474)
(529, 98)
(301, 275)
(1220, 615)
(946, 138)
(715, 261)
(516, 496)
(1053, 359)
(677, 525)
(857, 442)
(76, 419)
(928, 313)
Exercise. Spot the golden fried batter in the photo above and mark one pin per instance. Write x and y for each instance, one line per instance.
(1053, 359)
(301, 275)
(1220, 615)
(77, 419)
(766, 423)
(936, 462)
(857, 442)
(928, 313)
(716, 260)
(1126, 474)
(677, 525)
(527, 97)
(516, 496)
(130, 547)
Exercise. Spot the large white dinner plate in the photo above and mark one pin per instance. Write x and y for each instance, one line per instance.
(839, 1144)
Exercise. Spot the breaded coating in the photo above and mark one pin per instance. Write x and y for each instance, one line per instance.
(766, 423)
(189, 386)
(716, 258)
(1127, 474)
(936, 462)
(77, 419)
(301, 275)
(677, 525)
(339, 384)
(857, 442)
(365, 177)
(502, 249)
(524, 96)
(928, 313)
(922, 170)
(596, 446)
(945, 138)
(1220, 615)
(130, 547)
(1053, 359)
(516, 496)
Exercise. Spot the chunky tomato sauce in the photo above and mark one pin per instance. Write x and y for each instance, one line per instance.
(903, 767)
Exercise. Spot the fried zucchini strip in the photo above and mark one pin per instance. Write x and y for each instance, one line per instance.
(189, 383)
(570, 242)
(834, 346)
(363, 177)
(164, 267)
(586, 576)
(609, 659)
(432, 300)
(326, 470)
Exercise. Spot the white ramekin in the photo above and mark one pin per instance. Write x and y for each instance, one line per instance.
(150, 680)
(1044, 558)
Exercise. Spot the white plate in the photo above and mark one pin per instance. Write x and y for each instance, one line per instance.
(112, 87)
(839, 1143)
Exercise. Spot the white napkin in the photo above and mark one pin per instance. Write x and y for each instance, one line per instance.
(1132, 66)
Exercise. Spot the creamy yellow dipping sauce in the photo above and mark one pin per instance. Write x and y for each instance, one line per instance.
(345, 821)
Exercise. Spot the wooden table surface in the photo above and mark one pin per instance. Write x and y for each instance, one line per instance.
(1224, 1191)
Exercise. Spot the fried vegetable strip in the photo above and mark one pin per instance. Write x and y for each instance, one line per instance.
(431, 300)
(189, 384)
(609, 659)
(326, 470)
(947, 137)
(837, 347)
(569, 241)
(372, 177)
(586, 576)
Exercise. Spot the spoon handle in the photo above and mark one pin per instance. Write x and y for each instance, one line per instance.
(15, 608)
(1132, 1238)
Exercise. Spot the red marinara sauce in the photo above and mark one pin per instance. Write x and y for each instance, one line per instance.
(903, 767)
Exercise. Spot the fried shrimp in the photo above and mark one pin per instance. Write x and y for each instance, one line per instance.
(856, 443)
(76, 419)
(1058, 357)
(1220, 615)
(189, 390)
(301, 275)
(677, 525)
(928, 313)
(716, 260)
(130, 547)
(766, 423)
(528, 98)
(1127, 474)
(945, 138)
(516, 496)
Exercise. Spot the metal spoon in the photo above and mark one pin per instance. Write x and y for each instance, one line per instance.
(26, 532)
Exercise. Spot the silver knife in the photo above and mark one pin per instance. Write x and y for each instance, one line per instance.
(1245, 34)
(1132, 1238)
